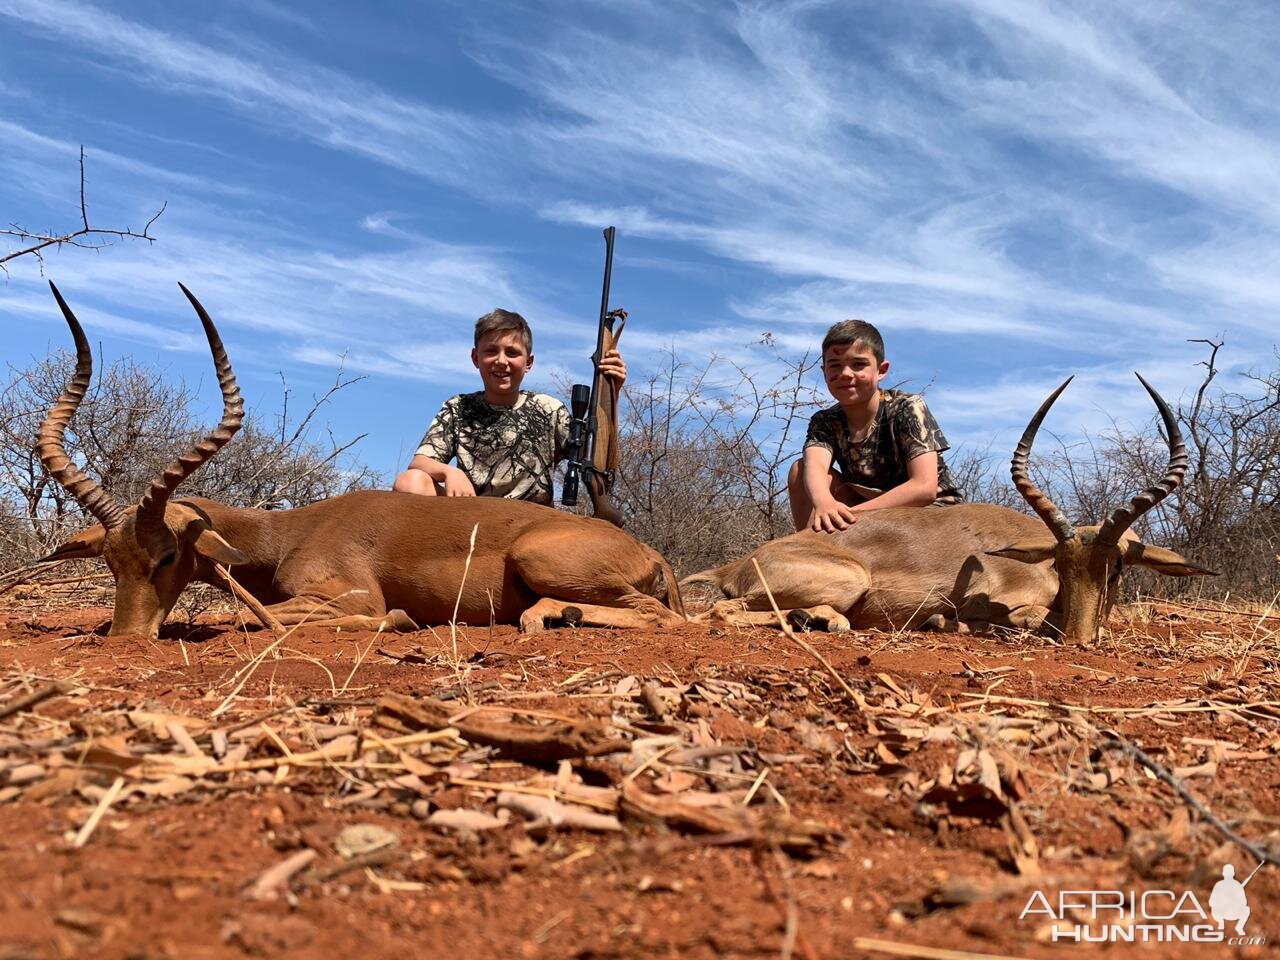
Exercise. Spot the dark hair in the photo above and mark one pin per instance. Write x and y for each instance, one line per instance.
(855, 331)
(499, 320)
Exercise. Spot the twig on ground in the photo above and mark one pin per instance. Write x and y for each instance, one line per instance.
(1166, 777)
(274, 877)
(28, 573)
(921, 952)
(652, 701)
(18, 704)
(99, 811)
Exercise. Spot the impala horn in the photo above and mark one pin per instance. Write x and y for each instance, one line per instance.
(1123, 517)
(49, 443)
(151, 508)
(1045, 508)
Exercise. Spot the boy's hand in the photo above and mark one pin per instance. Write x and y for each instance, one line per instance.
(613, 367)
(457, 484)
(831, 516)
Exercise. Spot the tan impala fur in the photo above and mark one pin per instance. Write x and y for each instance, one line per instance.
(971, 564)
(365, 559)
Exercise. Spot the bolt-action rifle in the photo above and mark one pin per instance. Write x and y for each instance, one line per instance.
(592, 448)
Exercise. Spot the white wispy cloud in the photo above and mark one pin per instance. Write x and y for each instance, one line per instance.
(290, 94)
(1013, 190)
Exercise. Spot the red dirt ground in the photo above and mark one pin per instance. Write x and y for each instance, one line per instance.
(916, 773)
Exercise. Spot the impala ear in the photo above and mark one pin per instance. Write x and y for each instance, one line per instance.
(85, 544)
(1030, 551)
(209, 543)
(1163, 561)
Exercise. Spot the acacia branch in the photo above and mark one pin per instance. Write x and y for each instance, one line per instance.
(37, 243)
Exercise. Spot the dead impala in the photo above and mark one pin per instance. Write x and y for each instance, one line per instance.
(364, 559)
(974, 564)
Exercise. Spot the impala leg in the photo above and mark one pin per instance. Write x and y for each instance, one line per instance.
(396, 620)
(1031, 617)
(821, 617)
(939, 623)
(322, 612)
(640, 611)
(734, 613)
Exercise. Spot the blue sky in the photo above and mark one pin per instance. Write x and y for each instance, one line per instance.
(1012, 191)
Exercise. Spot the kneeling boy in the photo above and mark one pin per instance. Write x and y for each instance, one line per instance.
(885, 440)
(506, 441)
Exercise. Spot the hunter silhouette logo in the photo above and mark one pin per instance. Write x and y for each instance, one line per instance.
(1149, 916)
(1228, 900)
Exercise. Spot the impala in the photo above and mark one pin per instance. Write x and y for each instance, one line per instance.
(365, 559)
(965, 566)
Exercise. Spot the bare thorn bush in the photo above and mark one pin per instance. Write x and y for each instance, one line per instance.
(132, 423)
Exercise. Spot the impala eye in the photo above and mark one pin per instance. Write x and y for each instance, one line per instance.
(167, 559)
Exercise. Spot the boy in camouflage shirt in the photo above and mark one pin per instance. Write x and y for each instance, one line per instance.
(874, 449)
(506, 441)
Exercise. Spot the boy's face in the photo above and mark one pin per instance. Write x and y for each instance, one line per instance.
(853, 376)
(502, 360)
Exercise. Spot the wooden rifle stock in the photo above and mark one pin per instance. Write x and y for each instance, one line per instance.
(593, 450)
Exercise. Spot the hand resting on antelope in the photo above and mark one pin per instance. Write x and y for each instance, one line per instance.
(971, 565)
(368, 559)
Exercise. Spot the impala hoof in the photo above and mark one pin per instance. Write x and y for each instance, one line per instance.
(400, 621)
(801, 619)
(567, 617)
(804, 620)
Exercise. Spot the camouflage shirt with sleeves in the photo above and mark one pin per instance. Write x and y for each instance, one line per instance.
(504, 451)
(903, 429)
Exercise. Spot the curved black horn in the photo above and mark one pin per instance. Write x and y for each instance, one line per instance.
(1123, 517)
(1045, 508)
(49, 440)
(151, 509)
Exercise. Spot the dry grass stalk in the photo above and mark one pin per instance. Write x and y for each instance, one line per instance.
(271, 880)
(82, 837)
(804, 645)
(249, 600)
(245, 673)
(18, 704)
(360, 656)
(457, 601)
(1156, 708)
(921, 952)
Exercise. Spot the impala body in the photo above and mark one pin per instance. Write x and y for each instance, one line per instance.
(974, 565)
(365, 559)
(893, 569)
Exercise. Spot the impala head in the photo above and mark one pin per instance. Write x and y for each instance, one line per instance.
(152, 548)
(1089, 560)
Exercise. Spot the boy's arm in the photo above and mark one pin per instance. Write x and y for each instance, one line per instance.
(828, 514)
(919, 442)
(438, 447)
(919, 490)
(455, 482)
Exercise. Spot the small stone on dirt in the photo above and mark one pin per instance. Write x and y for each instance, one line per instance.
(362, 838)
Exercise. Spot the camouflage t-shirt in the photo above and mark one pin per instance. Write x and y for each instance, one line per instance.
(504, 451)
(903, 429)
